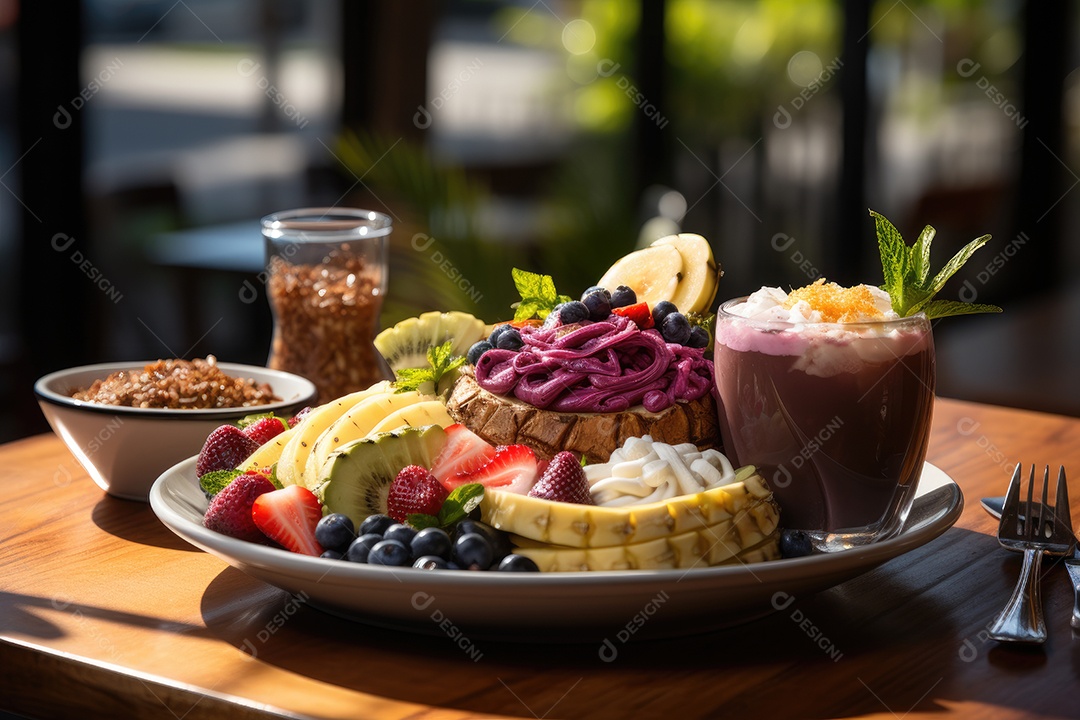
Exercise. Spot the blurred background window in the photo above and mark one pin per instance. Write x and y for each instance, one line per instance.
(138, 158)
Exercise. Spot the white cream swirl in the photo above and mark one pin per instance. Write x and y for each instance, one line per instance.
(644, 471)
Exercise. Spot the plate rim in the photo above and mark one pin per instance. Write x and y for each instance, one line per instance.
(239, 553)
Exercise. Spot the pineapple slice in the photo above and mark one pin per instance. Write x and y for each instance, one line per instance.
(713, 545)
(589, 526)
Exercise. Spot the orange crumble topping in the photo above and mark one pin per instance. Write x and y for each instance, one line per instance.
(836, 303)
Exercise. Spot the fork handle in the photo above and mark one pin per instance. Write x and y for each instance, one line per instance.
(1022, 618)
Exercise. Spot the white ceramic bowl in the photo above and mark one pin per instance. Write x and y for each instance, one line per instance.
(125, 449)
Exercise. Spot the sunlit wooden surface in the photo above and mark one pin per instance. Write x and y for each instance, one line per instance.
(105, 613)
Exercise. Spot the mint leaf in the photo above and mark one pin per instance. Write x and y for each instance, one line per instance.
(905, 271)
(538, 295)
(422, 520)
(462, 500)
(956, 263)
(441, 362)
(919, 259)
(215, 481)
(893, 259)
(945, 308)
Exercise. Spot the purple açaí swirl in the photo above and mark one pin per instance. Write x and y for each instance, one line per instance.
(607, 366)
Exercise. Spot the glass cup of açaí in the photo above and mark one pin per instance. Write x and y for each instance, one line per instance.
(836, 415)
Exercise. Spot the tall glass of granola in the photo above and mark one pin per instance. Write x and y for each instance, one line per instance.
(326, 274)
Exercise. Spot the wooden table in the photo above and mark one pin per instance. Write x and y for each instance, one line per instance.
(104, 612)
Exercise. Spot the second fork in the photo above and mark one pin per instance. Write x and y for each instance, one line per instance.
(1039, 531)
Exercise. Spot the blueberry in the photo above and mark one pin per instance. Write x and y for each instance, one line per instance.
(431, 541)
(510, 340)
(335, 531)
(400, 532)
(573, 311)
(478, 349)
(391, 553)
(596, 289)
(493, 338)
(430, 562)
(473, 550)
(553, 317)
(675, 328)
(500, 543)
(375, 524)
(623, 296)
(599, 305)
(360, 548)
(517, 563)
(699, 337)
(333, 555)
(795, 543)
(661, 310)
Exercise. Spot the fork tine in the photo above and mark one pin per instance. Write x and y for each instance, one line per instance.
(1029, 519)
(1010, 510)
(1046, 520)
(1062, 511)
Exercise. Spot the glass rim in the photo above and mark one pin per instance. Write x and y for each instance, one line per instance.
(918, 318)
(321, 224)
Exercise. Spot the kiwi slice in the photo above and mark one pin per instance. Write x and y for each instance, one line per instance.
(356, 478)
(406, 344)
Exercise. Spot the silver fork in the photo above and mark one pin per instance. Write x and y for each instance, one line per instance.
(1041, 529)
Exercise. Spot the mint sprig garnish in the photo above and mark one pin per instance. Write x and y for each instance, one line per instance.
(441, 360)
(906, 270)
(461, 501)
(538, 295)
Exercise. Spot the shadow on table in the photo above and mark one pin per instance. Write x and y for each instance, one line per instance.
(901, 638)
(127, 519)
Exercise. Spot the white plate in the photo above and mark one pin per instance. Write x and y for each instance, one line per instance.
(549, 606)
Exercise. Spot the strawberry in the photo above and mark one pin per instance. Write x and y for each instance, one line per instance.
(224, 449)
(414, 490)
(464, 452)
(288, 517)
(265, 429)
(563, 481)
(230, 510)
(638, 312)
(513, 469)
(299, 416)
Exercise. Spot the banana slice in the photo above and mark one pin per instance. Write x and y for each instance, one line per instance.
(654, 273)
(270, 451)
(360, 420)
(701, 274)
(293, 458)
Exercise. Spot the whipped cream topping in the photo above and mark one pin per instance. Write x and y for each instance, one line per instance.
(771, 304)
(820, 348)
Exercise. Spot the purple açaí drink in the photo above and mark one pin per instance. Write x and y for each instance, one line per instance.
(836, 415)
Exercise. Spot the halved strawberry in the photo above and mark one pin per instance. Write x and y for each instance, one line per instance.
(638, 312)
(464, 452)
(288, 517)
(513, 469)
